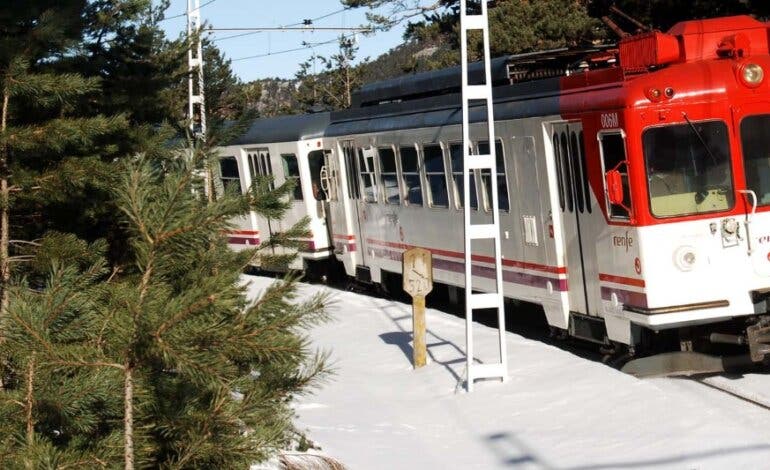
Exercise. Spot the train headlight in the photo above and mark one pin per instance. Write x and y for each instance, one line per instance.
(685, 258)
(751, 75)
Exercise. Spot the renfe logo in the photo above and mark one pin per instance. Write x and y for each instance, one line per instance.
(623, 241)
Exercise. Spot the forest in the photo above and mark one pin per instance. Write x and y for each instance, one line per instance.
(126, 338)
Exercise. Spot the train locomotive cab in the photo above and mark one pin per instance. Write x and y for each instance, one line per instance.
(688, 204)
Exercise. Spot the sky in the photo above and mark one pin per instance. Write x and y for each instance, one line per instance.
(260, 55)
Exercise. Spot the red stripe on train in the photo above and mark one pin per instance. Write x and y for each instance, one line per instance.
(479, 258)
(629, 281)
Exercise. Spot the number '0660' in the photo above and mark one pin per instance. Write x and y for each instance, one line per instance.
(610, 120)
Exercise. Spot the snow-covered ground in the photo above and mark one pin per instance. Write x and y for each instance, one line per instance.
(555, 411)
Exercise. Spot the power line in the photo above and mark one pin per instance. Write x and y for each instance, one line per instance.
(185, 13)
(305, 46)
(288, 28)
(322, 17)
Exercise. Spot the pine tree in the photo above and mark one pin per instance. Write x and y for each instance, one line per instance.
(161, 362)
(331, 88)
(38, 123)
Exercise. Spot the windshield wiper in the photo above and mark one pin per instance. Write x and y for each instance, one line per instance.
(700, 138)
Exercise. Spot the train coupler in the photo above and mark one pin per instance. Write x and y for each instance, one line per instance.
(758, 336)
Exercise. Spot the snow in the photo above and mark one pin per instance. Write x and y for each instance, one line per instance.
(556, 410)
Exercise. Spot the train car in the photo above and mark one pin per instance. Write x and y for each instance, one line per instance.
(634, 184)
(286, 147)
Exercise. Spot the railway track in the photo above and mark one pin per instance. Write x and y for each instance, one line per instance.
(725, 385)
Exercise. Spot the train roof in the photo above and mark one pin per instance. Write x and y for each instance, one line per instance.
(504, 70)
(289, 128)
(542, 98)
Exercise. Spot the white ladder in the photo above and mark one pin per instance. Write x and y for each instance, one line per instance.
(196, 102)
(475, 301)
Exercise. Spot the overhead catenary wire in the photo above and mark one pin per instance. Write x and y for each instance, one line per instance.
(300, 23)
(185, 13)
(305, 46)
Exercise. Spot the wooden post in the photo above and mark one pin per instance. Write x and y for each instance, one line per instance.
(418, 282)
(418, 327)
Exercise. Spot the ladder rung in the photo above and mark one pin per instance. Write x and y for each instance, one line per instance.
(473, 22)
(194, 63)
(483, 371)
(486, 300)
(483, 162)
(196, 99)
(479, 231)
(478, 92)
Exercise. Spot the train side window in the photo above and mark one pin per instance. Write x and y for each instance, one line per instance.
(559, 174)
(580, 143)
(389, 175)
(565, 166)
(354, 189)
(755, 141)
(435, 175)
(410, 171)
(577, 165)
(613, 152)
(291, 172)
(502, 181)
(259, 165)
(366, 168)
(456, 161)
(229, 174)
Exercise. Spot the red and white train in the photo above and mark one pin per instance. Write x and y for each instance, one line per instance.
(634, 183)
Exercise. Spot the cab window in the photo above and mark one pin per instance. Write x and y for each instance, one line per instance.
(688, 168)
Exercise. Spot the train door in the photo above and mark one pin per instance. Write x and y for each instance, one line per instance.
(574, 204)
(259, 165)
(324, 190)
(350, 238)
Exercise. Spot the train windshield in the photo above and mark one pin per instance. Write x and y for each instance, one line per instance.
(755, 138)
(688, 168)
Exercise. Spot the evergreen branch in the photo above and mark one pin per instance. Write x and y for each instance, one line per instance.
(209, 300)
(178, 189)
(80, 463)
(62, 363)
(205, 433)
(30, 402)
(20, 258)
(63, 303)
(56, 134)
(23, 242)
(48, 89)
(32, 332)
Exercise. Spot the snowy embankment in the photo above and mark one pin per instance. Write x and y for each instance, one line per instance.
(555, 411)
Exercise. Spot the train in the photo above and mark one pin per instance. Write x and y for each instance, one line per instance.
(633, 183)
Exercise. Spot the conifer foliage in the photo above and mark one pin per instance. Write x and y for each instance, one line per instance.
(158, 363)
(126, 337)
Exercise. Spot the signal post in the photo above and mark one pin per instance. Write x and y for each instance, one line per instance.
(418, 282)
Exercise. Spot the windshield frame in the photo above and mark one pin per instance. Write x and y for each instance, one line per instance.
(687, 123)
